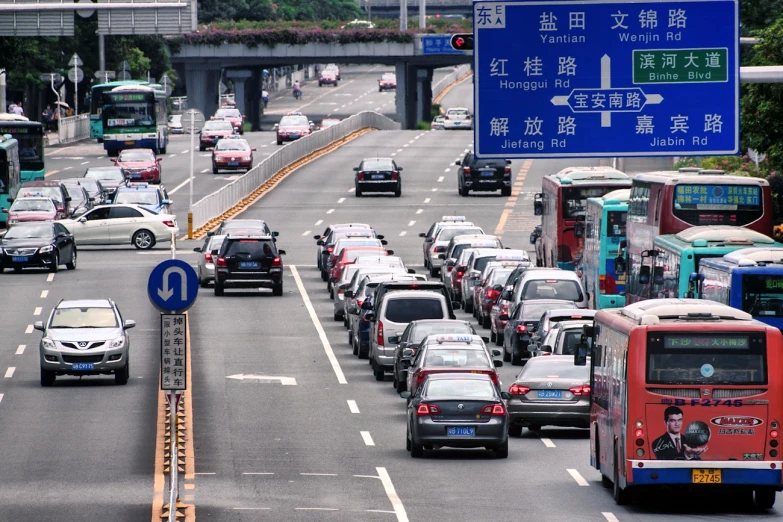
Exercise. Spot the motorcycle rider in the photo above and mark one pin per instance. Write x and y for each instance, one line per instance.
(297, 89)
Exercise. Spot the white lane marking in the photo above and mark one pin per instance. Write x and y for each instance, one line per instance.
(172, 191)
(20, 349)
(203, 171)
(205, 155)
(10, 372)
(434, 190)
(205, 473)
(420, 211)
(353, 406)
(399, 150)
(406, 145)
(330, 211)
(316, 509)
(447, 170)
(411, 223)
(37, 310)
(29, 329)
(318, 222)
(272, 142)
(548, 443)
(251, 509)
(427, 200)
(393, 154)
(50, 278)
(578, 477)
(1, 397)
(378, 510)
(319, 474)
(352, 189)
(44, 294)
(67, 168)
(341, 200)
(96, 157)
(84, 162)
(367, 438)
(440, 179)
(314, 317)
(609, 516)
(306, 232)
(251, 473)
(399, 509)
(188, 150)
(403, 233)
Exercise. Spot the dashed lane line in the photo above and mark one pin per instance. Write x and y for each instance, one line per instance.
(203, 171)
(10, 372)
(427, 200)
(84, 162)
(440, 179)
(20, 349)
(172, 191)
(341, 200)
(411, 223)
(367, 438)
(403, 233)
(580, 480)
(318, 222)
(44, 294)
(29, 329)
(37, 310)
(1, 397)
(315, 509)
(330, 211)
(399, 509)
(548, 442)
(249, 473)
(319, 474)
(609, 516)
(353, 406)
(420, 211)
(50, 278)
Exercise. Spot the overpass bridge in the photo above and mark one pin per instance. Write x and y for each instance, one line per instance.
(201, 65)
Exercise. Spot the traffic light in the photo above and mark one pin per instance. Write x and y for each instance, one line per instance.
(462, 42)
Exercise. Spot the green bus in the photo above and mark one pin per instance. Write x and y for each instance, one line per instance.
(10, 173)
(96, 104)
(135, 117)
(30, 135)
(671, 268)
(604, 231)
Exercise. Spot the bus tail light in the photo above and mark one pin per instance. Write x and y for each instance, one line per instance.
(774, 433)
(602, 283)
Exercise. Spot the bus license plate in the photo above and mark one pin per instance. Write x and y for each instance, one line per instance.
(83, 366)
(706, 476)
(19, 259)
(461, 431)
(550, 394)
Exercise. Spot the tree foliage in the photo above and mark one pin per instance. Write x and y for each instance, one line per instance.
(759, 14)
(285, 10)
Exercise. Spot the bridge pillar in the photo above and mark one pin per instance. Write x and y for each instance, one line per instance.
(406, 95)
(240, 77)
(255, 107)
(202, 89)
(424, 94)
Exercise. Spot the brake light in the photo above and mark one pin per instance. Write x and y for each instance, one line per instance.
(169, 224)
(379, 339)
(517, 389)
(467, 117)
(395, 176)
(208, 258)
(580, 390)
(521, 328)
(440, 249)
(359, 303)
(460, 273)
(449, 268)
(602, 283)
(466, 170)
(507, 170)
(427, 409)
(493, 409)
(221, 262)
(329, 249)
(447, 117)
(277, 263)
(491, 294)
(361, 176)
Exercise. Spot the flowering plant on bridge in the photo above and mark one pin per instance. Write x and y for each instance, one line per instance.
(291, 36)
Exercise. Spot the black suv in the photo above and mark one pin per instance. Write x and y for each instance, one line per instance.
(483, 175)
(249, 261)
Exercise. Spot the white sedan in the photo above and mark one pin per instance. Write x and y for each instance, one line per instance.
(121, 225)
(457, 118)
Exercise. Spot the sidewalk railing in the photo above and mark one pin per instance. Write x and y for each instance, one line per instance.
(214, 205)
(450, 78)
(74, 128)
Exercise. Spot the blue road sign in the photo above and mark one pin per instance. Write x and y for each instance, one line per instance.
(172, 286)
(601, 78)
(438, 44)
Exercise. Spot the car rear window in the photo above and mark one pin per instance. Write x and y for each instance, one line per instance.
(253, 247)
(570, 338)
(379, 164)
(457, 112)
(456, 358)
(423, 330)
(407, 310)
(460, 388)
(544, 367)
(533, 312)
(449, 233)
(552, 289)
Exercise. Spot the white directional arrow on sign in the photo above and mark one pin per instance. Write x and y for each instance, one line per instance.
(653, 99)
(166, 292)
(285, 381)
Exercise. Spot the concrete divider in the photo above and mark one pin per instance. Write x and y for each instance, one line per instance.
(448, 80)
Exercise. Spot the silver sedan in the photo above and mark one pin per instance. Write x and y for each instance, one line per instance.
(206, 261)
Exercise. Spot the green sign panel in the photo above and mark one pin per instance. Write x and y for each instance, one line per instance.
(681, 66)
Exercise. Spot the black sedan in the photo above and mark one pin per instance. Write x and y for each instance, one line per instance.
(37, 245)
(378, 175)
(458, 410)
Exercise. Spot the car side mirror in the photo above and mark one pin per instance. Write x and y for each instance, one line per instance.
(579, 230)
(129, 324)
(38, 325)
(407, 352)
(411, 271)
(353, 310)
(505, 396)
(253, 149)
(356, 169)
(580, 355)
(4, 210)
(441, 256)
(508, 162)
(390, 252)
(450, 262)
(406, 363)
(210, 234)
(497, 363)
(394, 339)
(405, 395)
(503, 317)
(281, 252)
(422, 234)
(370, 316)
(82, 220)
(400, 169)
(198, 249)
(497, 288)
(644, 275)
(378, 236)
(348, 294)
(275, 234)
(458, 162)
(538, 205)
(158, 159)
(485, 339)
(276, 125)
(546, 348)
(316, 237)
(658, 276)
(496, 353)
(384, 242)
(320, 242)
(166, 202)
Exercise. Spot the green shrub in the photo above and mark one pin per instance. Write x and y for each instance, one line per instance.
(423, 125)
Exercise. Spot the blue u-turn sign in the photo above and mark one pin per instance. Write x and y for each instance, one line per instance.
(172, 286)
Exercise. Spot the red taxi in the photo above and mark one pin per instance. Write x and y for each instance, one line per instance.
(212, 132)
(139, 165)
(32, 209)
(327, 77)
(293, 126)
(232, 154)
(388, 82)
(233, 116)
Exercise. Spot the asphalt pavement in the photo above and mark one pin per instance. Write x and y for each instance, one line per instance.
(332, 445)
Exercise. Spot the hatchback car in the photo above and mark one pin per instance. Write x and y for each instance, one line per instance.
(378, 175)
(212, 132)
(85, 337)
(24, 210)
(437, 123)
(139, 165)
(233, 116)
(457, 118)
(232, 154)
(520, 327)
(37, 245)
(387, 82)
(292, 127)
(175, 124)
(249, 262)
(483, 175)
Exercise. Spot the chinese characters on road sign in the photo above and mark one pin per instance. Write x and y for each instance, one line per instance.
(173, 355)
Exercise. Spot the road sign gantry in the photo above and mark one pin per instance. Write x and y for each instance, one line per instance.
(601, 78)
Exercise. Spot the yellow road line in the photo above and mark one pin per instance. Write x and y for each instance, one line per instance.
(502, 222)
(512, 200)
(50, 173)
(445, 91)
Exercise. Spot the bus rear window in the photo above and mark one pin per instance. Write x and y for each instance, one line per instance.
(706, 358)
(575, 200)
(718, 204)
(615, 224)
(762, 295)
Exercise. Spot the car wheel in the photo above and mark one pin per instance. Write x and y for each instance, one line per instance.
(163, 149)
(143, 239)
(505, 191)
(358, 192)
(279, 142)
(2, 269)
(200, 148)
(398, 192)
(417, 450)
(492, 336)
(516, 360)
(468, 307)
(534, 427)
(378, 372)
(203, 283)
(407, 443)
(214, 169)
(350, 340)
(121, 376)
(337, 317)
(501, 452)
(355, 344)
(621, 496)
(401, 386)
(218, 288)
(324, 275)
(331, 293)
(18, 270)
(47, 377)
(514, 431)
(277, 290)
(506, 355)
(499, 339)
(56, 265)
(72, 264)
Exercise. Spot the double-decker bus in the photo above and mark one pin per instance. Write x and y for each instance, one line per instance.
(562, 204)
(670, 202)
(670, 267)
(30, 135)
(602, 275)
(685, 392)
(10, 174)
(96, 104)
(134, 117)
(748, 279)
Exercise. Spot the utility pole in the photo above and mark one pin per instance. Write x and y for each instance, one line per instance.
(403, 15)
(422, 14)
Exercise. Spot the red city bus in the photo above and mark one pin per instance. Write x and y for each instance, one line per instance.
(562, 204)
(670, 202)
(686, 393)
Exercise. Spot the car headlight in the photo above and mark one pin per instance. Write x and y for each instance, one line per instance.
(117, 343)
(46, 249)
(48, 343)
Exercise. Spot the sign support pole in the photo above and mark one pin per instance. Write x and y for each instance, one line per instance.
(190, 206)
(174, 466)
(75, 90)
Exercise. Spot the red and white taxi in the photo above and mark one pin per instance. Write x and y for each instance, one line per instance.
(293, 126)
(232, 154)
(388, 82)
(232, 116)
(327, 77)
(26, 209)
(139, 165)
(212, 132)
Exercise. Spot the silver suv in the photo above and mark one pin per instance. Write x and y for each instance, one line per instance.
(85, 337)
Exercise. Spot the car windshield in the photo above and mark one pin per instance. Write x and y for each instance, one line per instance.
(423, 330)
(228, 113)
(175, 118)
(89, 317)
(460, 388)
(407, 310)
(534, 311)
(449, 233)
(294, 120)
(546, 368)
(33, 205)
(90, 185)
(137, 197)
(110, 174)
(378, 164)
(246, 225)
(26, 231)
(48, 192)
(135, 156)
(76, 194)
(570, 338)
(232, 145)
(552, 289)
(456, 358)
(218, 126)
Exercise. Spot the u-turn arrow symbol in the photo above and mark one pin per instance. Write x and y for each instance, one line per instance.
(166, 292)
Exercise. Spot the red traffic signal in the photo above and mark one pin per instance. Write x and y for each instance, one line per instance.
(462, 42)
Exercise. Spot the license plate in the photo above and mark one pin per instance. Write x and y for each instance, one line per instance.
(293, 135)
(706, 476)
(249, 264)
(457, 123)
(83, 366)
(135, 176)
(550, 394)
(487, 172)
(19, 259)
(233, 163)
(461, 431)
(377, 176)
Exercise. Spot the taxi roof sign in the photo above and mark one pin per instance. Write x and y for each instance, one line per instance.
(359, 233)
(453, 218)
(451, 338)
(512, 257)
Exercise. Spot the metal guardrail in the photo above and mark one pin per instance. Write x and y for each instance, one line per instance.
(219, 202)
(450, 78)
(74, 128)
